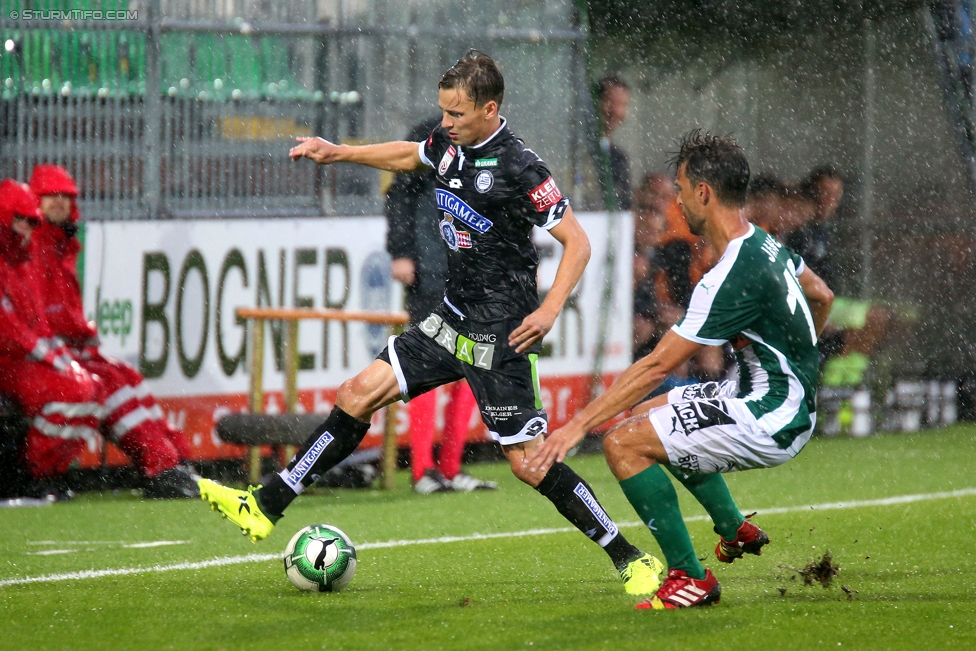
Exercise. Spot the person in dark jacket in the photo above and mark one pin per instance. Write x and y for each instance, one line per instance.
(613, 96)
(420, 264)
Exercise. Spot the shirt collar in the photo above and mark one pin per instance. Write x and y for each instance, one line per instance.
(492, 136)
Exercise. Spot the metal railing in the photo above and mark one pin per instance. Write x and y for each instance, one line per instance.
(237, 80)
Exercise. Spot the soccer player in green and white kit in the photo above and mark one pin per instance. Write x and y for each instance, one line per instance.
(763, 300)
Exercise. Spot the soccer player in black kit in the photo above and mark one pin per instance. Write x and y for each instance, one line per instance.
(490, 191)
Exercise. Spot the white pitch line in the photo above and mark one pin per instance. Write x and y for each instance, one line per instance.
(261, 558)
(121, 543)
(75, 542)
(97, 574)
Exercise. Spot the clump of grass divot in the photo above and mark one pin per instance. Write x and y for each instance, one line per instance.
(822, 571)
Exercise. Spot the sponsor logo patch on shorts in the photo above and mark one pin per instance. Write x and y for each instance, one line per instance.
(689, 463)
(700, 414)
(463, 348)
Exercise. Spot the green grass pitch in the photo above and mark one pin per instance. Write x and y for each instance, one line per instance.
(908, 566)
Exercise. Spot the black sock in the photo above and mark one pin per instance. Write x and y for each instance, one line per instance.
(330, 443)
(575, 501)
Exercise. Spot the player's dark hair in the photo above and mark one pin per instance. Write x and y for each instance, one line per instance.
(717, 161)
(610, 81)
(811, 185)
(824, 172)
(765, 185)
(477, 75)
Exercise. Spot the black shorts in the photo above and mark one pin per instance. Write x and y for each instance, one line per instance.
(445, 347)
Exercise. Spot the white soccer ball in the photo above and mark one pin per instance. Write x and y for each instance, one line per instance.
(320, 558)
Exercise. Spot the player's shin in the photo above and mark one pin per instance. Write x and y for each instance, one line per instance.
(712, 492)
(330, 443)
(652, 495)
(575, 501)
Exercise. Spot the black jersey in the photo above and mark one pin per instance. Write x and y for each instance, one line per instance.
(489, 197)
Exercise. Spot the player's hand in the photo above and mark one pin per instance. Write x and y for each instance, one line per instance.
(555, 447)
(534, 327)
(404, 271)
(317, 149)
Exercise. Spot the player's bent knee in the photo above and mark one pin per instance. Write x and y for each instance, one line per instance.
(632, 445)
(353, 397)
(371, 389)
(521, 470)
(518, 459)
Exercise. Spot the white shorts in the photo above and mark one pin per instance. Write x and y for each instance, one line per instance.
(706, 429)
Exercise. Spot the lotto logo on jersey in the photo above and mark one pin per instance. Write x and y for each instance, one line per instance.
(446, 160)
(545, 195)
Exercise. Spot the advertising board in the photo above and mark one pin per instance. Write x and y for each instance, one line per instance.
(163, 295)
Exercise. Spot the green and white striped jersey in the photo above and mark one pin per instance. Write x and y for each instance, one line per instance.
(752, 298)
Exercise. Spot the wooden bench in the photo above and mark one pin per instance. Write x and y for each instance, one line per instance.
(290, 429)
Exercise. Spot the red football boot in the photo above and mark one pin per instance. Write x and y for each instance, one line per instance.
(682, 591)
(749, 539)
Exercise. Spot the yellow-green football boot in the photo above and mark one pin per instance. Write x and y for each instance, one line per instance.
(239, 507)
(642, 575)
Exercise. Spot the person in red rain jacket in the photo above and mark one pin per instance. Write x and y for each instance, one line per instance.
(54, 393)
(131, 416)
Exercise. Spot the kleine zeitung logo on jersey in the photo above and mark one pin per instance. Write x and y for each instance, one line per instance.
(545, 195)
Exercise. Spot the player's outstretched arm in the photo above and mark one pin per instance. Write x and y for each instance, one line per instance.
(576, 253)
(641, 378)
(819, 297)
(398, 156)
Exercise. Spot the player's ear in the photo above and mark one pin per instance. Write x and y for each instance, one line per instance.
(704, 193)
(491, 109)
